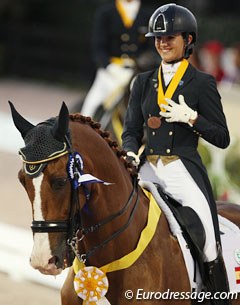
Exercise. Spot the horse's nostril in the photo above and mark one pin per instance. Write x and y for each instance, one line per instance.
(53, 260)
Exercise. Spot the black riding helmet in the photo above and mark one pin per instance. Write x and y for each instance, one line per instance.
(170, 19)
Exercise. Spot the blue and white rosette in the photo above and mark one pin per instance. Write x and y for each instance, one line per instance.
(75, 172)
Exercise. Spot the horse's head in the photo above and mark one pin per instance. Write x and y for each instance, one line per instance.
(47, 186)
(68, 201)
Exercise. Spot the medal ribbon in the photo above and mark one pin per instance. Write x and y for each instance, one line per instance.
(128, 22)
(173, 84)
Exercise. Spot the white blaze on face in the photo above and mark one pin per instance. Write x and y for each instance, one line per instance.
(41, 252)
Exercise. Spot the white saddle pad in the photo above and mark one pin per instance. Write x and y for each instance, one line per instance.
(230, 237)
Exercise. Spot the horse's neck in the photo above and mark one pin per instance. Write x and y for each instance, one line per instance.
(106, 200)
(107, 204)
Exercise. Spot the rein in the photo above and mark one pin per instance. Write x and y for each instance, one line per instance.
(84, 257)
(93, 228)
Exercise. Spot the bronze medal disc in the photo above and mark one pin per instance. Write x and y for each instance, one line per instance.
(154, 122)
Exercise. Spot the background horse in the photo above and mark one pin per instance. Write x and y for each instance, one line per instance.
(106, 219)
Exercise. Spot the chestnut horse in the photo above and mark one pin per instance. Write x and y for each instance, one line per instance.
(106, 219)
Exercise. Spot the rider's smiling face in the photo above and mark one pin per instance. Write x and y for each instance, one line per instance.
(171, 47)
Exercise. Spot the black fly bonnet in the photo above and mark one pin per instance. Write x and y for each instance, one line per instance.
(35, 154)
(44, 142)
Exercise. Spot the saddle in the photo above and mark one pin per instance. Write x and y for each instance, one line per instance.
(191, 226)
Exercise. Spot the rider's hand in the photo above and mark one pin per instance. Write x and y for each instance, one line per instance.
(133, 158)
(178, 112)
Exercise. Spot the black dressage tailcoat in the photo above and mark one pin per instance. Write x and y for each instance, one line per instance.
(200, 93)
(112, 39)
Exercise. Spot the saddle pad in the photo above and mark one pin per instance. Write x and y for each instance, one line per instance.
(230, 237)
(231, 251)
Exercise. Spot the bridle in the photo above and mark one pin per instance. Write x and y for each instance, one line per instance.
(73, 226)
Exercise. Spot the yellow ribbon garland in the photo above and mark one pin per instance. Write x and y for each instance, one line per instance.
(147, 234)
(128, 22)
(173, 84)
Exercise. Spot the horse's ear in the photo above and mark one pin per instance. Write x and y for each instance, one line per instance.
(60, 128)
(21, 124)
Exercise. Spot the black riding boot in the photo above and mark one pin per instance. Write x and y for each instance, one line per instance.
(216, 279)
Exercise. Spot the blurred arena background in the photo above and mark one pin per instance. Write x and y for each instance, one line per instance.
(45, 59)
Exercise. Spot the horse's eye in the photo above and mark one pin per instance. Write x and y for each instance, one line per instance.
(58, 183)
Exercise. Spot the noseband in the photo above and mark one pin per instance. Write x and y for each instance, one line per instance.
(49, 226)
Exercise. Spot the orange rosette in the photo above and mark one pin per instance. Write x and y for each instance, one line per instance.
(91, 284)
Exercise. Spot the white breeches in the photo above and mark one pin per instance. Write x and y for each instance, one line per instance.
(106, 84)
(179, 184)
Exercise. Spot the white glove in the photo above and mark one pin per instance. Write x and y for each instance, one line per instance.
(178, 112)
(133, 158)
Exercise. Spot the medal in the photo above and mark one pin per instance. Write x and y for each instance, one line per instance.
(154, 122)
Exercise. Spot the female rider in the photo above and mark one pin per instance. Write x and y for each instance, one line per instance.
(178, 104)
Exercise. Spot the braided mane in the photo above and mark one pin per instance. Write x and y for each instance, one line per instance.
(77, 117)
